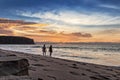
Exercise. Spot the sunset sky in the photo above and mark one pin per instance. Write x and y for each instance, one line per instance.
(61, 20)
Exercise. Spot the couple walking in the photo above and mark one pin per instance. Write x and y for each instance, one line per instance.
(44, 50)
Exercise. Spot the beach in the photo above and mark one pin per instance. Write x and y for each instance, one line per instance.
(49, 68)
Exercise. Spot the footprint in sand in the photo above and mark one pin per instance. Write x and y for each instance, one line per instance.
(74, 66)
(66, 60)
(52, 77)
(58, 63)
(114, 75)
(48, 70)
(35, 59)
(48, 60)
(83, 63)
(97, 67)
(38, 65)
(74, 73)
(83, 74)
(32, 68)
(11, 55)
(42, 59)
(94, 78)
(89, 70)
(109, 69)
(99, 77)
(32, 59)
(118, 73)
(40, 79)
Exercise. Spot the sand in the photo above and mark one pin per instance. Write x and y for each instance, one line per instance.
(49, 68)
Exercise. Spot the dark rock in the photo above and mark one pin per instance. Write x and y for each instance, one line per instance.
(13, 65)
(40, 79)
(15, 40)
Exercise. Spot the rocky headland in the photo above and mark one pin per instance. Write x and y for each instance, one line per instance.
(15, 40)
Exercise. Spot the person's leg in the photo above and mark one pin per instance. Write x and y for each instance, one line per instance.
(50, 54)
(45, 53)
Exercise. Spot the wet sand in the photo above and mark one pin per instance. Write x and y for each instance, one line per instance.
(49, 68)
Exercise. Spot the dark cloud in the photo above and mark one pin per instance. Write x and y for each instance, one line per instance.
(62, 34)
(6, 25)
(1, 27)
(77, 34)
(60, 37)
(7, 32)
(25, 28)
(14, 21)
(49, 32)
(110, 31)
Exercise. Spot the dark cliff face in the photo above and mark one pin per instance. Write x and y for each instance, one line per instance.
(15, 40)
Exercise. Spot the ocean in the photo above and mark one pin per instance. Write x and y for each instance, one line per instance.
(97, 53)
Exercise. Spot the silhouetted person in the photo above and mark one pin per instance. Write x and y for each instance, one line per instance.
(44, 50)
(50, 50)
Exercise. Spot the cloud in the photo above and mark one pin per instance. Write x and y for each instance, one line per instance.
(110, 6)
(9, 27)
(110, 31)
(74, 18)
(81, 34)
(76, 34)
(45, 32)
(48, 32)
(51, 36)
(42, 32)
(78, 26)
(7, 24)
(7, 32)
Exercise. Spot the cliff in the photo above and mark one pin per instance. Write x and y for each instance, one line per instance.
(15, 40)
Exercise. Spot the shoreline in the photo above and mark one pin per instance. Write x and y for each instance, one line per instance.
(49, 68)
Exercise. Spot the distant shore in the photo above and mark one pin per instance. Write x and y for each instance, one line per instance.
(49, 68)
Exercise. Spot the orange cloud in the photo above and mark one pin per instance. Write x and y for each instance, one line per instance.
(8, 32)
(18, 26)
(110, 31)
(79, 34)
(44, 32)
(53, 36)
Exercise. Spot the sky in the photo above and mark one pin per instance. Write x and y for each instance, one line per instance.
(61, 20)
